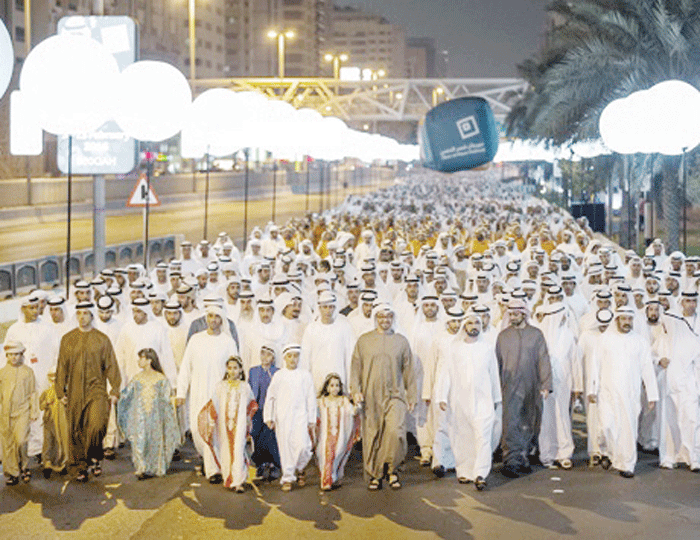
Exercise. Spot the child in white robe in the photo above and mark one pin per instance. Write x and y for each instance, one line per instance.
(290, 410)
(338, 429)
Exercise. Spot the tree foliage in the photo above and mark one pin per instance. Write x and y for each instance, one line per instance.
(601, 50)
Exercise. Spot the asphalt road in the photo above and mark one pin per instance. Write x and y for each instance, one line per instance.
(43, 238)
(581, 503)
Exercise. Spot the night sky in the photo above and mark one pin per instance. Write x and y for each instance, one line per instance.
(485, 38)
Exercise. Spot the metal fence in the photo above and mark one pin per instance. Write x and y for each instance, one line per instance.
(49, 272)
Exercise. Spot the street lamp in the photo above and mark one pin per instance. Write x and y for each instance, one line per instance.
(437, 93)
(369, 74)
(337, 59)
(282, 37)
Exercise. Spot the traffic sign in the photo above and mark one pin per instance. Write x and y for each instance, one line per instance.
(140, 193)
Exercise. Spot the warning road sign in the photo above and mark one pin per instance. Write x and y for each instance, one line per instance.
(140, 193)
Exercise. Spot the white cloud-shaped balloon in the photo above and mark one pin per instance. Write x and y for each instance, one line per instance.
(71, 84)
(153, 98)
(7, 58)
(70, 81)
(664, 119)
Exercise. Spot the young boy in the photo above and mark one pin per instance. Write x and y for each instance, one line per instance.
(55, 453)
(266, 456)
(18, 406)
(290, 410)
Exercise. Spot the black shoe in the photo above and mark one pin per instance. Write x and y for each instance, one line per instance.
(480, 483)
(47, 473)
(216, 479)
(524, 468)
(439, 471)
(176, 455)
(627, 474)
(605, 462)
(110, 454)
(510, 471)
(144, 476)
(11, 481)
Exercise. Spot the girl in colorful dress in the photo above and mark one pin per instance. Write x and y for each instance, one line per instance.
(225, 422)
(147, 418)
(338, 429)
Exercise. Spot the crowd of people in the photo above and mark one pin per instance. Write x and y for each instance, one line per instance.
(439, 308)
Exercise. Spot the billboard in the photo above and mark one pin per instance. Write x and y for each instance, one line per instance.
(106, 150)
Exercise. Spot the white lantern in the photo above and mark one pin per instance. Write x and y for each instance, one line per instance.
(153, 98)
(7, 58)
(70, 81)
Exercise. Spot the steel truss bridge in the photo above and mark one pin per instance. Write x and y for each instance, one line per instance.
(376, 101)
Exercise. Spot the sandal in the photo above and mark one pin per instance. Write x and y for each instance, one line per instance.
(11, 481)
(301, 479)
(82, 476)
(26, 475)
(96, 469)
(394, 482)
(374, 484)
(239, 489)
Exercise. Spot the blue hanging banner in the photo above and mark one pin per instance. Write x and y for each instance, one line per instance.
(458, 135)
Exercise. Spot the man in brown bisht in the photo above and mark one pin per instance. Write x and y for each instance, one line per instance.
(86, 361)
(382, 378)
(526, 379)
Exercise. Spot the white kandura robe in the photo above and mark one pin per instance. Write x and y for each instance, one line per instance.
(442, 449)
(203, 366)
(678, 403)
(555, 440)
(588, 341)
(623, 362)
(359, 323)
(470, 385)
(41, 342)
(134, 337)
(273, 334)
(291, 404)
(327, 348)
(111, 329)
(421, 339)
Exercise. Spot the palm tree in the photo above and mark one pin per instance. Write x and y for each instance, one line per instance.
(604, 50)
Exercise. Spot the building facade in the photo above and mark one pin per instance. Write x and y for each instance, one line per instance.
(420, 58)
(370, 41)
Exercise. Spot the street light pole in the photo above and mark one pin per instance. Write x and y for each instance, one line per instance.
(246, 153)
(27, 26)
(274, 188)
(192, 38)
(337, 60)
(281, 37)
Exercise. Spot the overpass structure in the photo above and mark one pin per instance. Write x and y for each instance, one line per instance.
(379, 100)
